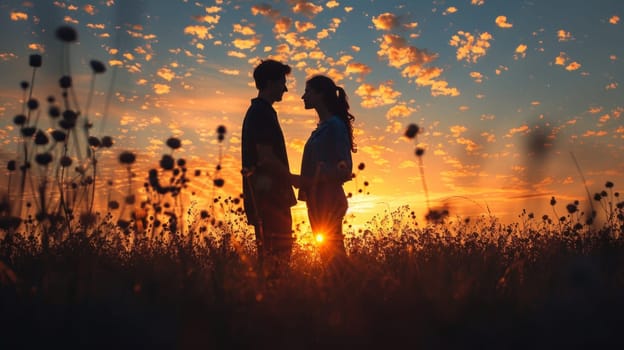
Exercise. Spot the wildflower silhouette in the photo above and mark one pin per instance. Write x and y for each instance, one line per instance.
(436, 215)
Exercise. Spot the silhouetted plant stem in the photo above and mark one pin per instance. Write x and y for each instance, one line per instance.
(421, 167)
(589, 198)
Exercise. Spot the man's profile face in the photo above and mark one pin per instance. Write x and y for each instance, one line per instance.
(278, 87)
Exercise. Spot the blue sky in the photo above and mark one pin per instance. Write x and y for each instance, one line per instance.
(483, 79)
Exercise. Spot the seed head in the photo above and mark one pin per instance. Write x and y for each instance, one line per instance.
(219, 182)
(94, 142)
(54, 112)
(107, 141)
(41, 138)
(571, 208)
(43, 158)
(28, 131)
(412, 131)
(11, 165)
(420, 151)
(66, 34)
(221, 130)
(19, 119)
(167, 162)
(65, 82)
(97, 67)
(127, 157)
(609, 184)
(174, 143)
(32, 104)
(24, 84)
(553, 201)
(58, 135)
(65, 161)
(361, 166)
(34, 60)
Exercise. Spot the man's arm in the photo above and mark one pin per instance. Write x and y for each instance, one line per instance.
(268, 161)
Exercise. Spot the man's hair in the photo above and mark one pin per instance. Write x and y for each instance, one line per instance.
(269, 70)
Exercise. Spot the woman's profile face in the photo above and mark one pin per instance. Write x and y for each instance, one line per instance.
(311, 98)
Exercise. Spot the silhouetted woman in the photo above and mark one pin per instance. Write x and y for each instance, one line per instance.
(326, 165)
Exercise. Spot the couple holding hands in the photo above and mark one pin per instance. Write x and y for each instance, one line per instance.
(326, 164)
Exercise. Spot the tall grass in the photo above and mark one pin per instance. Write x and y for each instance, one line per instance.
(147, 271)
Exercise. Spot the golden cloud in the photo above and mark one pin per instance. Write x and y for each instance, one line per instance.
(469, 145)
(201, 32)
(614, 20)
(282, 24)
(400, 110)
(521, 129)
(307, 9)
(373, 97)
(573, 66)
(69, 19)
(166, 73)
(264, 10)
(399, 53)
(332, 3)
(245, 30)
(478, 77)
(590, 133)
(213, 9)
(245, 44)
(298, 41)
(207, 19)
(457, 130)
(161, 89)
(450, 10)
(611, 86)
(229, 71)
(561, 59)
(90, 9)
(520, 51)
(501, 21)
(358, 68)
(563, 36)
(96, 26)
(37, 47)
(477, 2)
(469, 47)
(386, 21)
(304, 26)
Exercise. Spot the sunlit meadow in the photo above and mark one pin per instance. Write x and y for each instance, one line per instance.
(96, 251)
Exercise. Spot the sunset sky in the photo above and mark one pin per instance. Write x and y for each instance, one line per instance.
(506, 92)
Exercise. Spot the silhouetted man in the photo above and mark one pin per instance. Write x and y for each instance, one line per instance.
(267, 191)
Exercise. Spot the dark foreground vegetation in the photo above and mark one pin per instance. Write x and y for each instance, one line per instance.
(458, 285)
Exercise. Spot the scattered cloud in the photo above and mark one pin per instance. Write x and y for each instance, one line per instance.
(201, 32)
(229, 71)
(520, 51)
(244, 30)
(386, 21)
(470, 47)
(245, 44)
(307, 9)
(19, 16)
(161, 89)
(563, 36)
(614, 20)
(400, 110)
(373, 97)
(501, 22)
(450, 10)
(166, 73)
